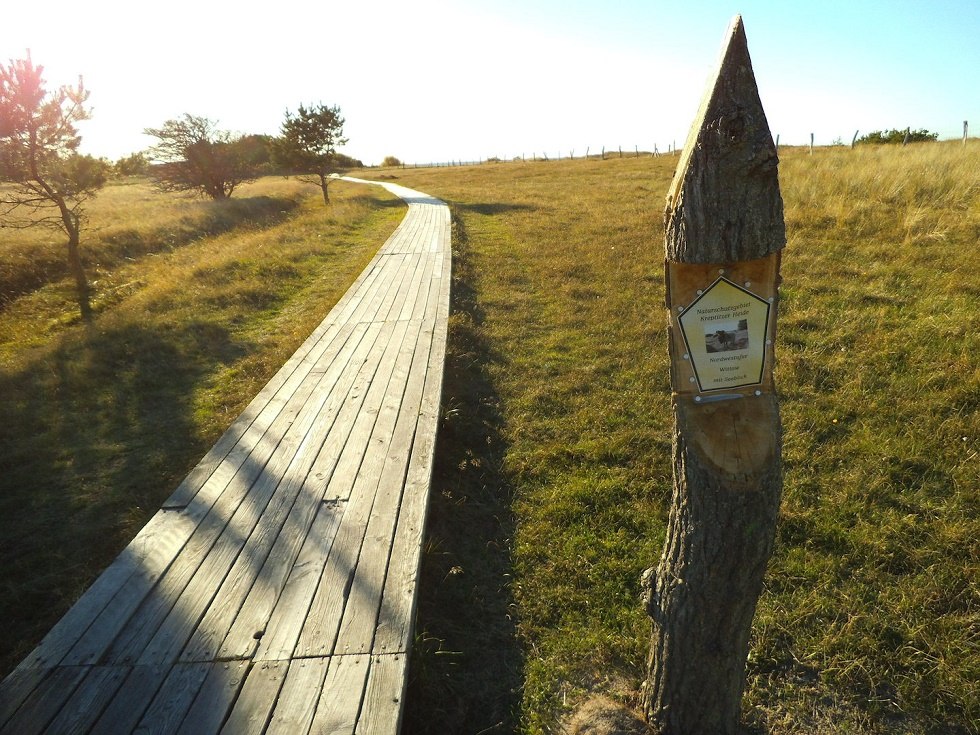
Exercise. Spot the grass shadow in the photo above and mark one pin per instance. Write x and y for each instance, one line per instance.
(466, 671)
(93, 436)
(496, 208)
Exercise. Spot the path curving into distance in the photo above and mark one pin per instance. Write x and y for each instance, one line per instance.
(274, 591)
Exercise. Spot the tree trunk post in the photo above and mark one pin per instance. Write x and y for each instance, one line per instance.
(724, 232)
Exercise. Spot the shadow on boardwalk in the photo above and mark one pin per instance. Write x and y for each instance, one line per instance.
(466, 669)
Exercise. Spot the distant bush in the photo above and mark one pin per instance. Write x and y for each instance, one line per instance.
(879, 137)
(391, 161)
(133, 165)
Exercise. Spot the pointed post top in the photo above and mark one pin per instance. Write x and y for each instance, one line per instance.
(724, 203)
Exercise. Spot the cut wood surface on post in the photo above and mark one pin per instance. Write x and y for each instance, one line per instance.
(723, 234)
(275, 589)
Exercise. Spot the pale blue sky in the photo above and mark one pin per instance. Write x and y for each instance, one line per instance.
(440, 80)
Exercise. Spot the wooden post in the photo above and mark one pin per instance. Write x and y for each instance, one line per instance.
(723, 235)
(586, 153)
(777, 142)
(811, 144)
(908, 133)
(603, 153)
(966, 129)
(855, 138)
(620, 151)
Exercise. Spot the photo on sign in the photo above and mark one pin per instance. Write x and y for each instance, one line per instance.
(728, 336)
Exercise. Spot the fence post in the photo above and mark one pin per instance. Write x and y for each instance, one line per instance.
(723, 235)
(811, 144)
(908, 134)
(966, 128)
(603, 153)
(854, 139)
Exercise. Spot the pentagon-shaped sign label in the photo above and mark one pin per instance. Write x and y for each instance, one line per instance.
(725, 331)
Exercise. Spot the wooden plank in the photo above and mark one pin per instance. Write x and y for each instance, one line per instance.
(360, 616)
(381, 711)
(89, 700)
(340, 700)
(171, 703)
(131, 701)
(250, 533)
(298, 699)
(360, 403)
(281, 529)
(258, 697)
(354, 518)
(275, 635)
(236, 480)
(396, 617)
(327, 608)
(44, 701)
(215, 699)
(208, 510)
(16, 688)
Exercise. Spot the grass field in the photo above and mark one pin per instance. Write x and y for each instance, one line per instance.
(553, 464)
(554, 474)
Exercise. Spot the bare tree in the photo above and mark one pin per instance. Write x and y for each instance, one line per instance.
(193, 155)
(48, 181)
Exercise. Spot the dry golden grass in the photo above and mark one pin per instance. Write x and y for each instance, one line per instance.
(555, 451)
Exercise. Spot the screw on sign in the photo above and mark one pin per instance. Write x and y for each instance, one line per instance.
(724, 232)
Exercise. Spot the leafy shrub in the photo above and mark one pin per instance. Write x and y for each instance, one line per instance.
(879, 137)
(390, 161)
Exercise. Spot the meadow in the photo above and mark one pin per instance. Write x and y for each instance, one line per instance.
(554, 477)
(553, 465)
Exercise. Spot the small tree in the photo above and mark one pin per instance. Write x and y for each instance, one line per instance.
(134, 164)
(193, 155)
(391, 162)
(49, 181)
(308, 142)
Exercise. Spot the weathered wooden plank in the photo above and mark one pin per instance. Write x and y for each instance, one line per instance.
(89, 700)
(361, 613)
(174, 698)
(254, 705)
(131, 701)
(396, 617)
(298, 699)
(17, 687)
(44, 701)
(328, 606)
(352, 524)
(257, 520)
(195, 525)
(340, 701)
(372, 398)
(277, 537)
(276, 632)
(215, 698)
(381, 711)
(155, 604)
(256, 612)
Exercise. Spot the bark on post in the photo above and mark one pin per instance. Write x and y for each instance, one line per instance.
(723, 228)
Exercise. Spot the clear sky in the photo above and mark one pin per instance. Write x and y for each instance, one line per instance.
(436, 80)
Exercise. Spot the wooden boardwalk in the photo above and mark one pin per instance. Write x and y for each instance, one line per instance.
(275, 589)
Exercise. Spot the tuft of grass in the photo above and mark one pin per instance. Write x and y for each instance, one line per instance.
(100, 421)
(869, 621)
